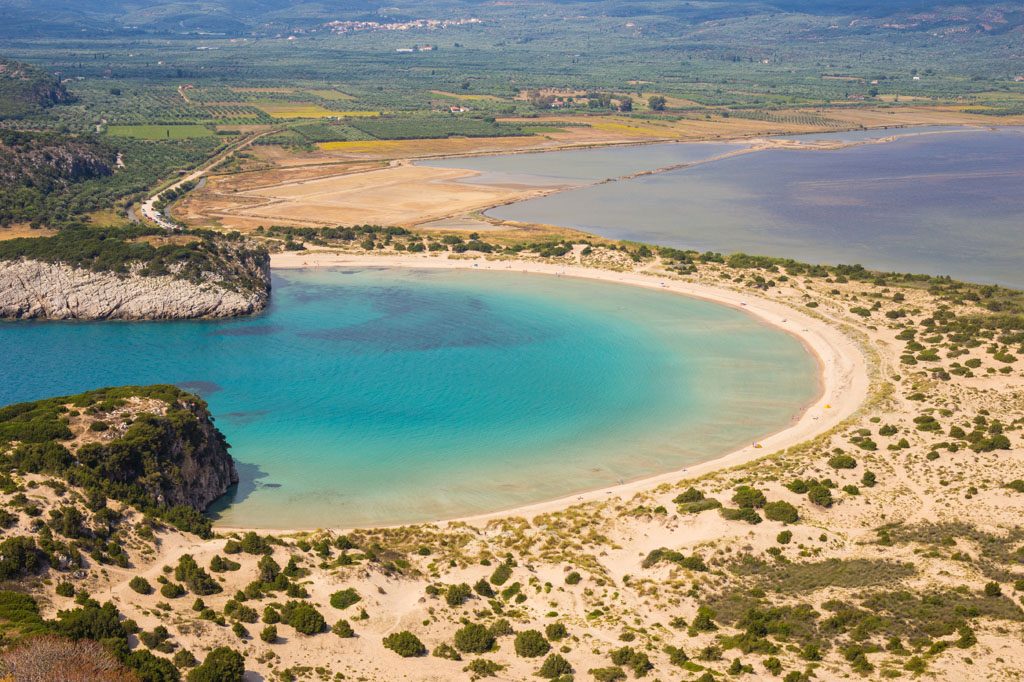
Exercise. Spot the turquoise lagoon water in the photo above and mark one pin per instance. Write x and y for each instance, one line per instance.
(948, 202)
(389, 396)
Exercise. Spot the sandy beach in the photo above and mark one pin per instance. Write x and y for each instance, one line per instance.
(611, 538)
(843, 370)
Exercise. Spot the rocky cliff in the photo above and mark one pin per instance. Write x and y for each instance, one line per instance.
(194, 467)
(34, 290)
(204, 279)
(154, 447)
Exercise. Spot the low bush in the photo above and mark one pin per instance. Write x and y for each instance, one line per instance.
(405, 644)
(531, 644)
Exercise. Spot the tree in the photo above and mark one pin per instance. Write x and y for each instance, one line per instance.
(268, 569)
(656, 103)
(223, 664)
(18, 556)
(531, 644)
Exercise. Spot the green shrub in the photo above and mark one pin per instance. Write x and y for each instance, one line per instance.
(699, 506)
(447, 651)
(183, 658)
(65, 589)
(343, 599)
(481, 667)
(555, 632)
(610, 674)
(304, 617)
(501, 628)
(140, 585)
(554, 666)
(842, 462)
(269, 634)
(574, 577)
(456, 595)
(784, 537)
(19, 556)
(531, 644)
(218, 564)
(343, 629)
(748, 514)
(637, 661)
(405, 644)
(676, 656)
(820, 495)
(195, 578)
(474, 638)
(747, 496)
(689, 495)
(221, 665)
(781, 511)
(171, 590)
(501, 574)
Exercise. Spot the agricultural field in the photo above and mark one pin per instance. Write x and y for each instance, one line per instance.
(159, 132)
(331, 95)
(301, 110)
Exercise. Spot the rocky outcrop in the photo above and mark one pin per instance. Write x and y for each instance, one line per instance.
(195, 468)
(31, 289)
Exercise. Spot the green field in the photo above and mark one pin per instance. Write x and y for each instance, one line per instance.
(159, 132)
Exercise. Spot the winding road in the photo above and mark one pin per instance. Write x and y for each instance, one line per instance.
(148, 210)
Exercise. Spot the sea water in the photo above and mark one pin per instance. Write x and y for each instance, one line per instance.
(380, 396)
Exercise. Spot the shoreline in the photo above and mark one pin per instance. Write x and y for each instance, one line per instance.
(842, 377)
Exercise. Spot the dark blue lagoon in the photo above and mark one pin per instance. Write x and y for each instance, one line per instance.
(389, 396)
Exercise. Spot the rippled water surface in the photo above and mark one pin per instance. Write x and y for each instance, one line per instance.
(947, 202)
(389, 396)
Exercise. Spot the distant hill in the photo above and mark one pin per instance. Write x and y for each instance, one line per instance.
(27, 18)
(25, 89)
(37, 166)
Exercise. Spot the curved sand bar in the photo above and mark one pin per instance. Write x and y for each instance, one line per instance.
(844, 378)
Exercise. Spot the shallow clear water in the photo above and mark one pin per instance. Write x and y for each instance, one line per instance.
(581, 166)
(941, 203)
(392, 396)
